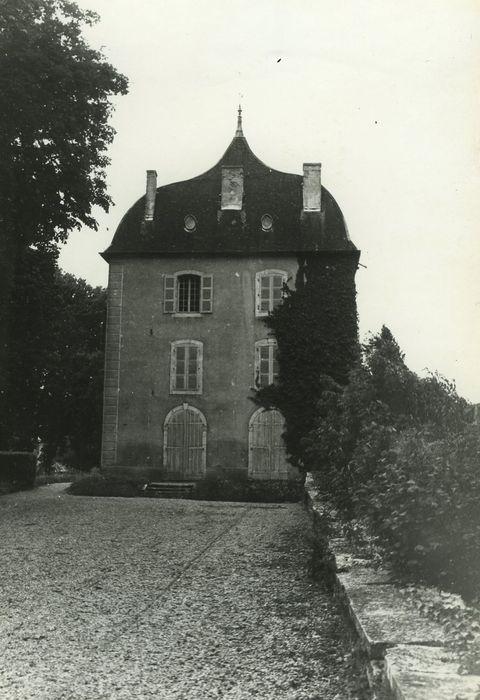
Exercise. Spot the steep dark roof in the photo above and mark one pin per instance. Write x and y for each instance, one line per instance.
(266, 191)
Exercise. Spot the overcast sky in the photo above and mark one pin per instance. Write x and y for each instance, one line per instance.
(385, 94)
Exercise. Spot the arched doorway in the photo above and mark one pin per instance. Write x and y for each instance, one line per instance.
(185, 442)
(267, 457)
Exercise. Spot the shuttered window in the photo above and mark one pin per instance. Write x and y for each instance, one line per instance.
(188, 293)
(266, 362)
(269, 290)
(169, 294)
(186, 365)
(206, 303)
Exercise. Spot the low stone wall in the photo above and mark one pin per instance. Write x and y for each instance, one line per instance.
(407, 659)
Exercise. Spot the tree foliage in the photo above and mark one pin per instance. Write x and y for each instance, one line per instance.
(57, 359)
(398, 453)
(55, 105)
(56, 98)
(71, 398)
(316, 331)
(32, 316)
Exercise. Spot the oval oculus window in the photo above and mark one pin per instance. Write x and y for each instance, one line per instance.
(267, 222)
(189, 223)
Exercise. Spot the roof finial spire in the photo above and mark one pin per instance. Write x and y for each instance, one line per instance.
(239, 131)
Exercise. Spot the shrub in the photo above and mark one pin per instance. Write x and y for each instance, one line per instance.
(397, 452)
(98, 485)
(316, 331)
(17, 470)
(424, 503)
(214, 488)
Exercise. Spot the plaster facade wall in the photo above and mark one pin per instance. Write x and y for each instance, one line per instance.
(228, 335)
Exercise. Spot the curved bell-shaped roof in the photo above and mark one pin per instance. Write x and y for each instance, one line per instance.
(217, 230)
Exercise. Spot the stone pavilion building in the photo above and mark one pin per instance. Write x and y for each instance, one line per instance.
(194, 269)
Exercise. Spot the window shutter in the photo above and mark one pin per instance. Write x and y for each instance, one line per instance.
(200, 369)
(186, 363)
(206, 305)
(275, 364)
(256, 379)
(173, 368)
(169, 294)
(257, 294)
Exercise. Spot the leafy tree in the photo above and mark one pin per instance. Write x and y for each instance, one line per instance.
(70, 405)
(398, 454)
(32, 316)
(55, 103)
(57, 359)
(316, 331)
(357, 425)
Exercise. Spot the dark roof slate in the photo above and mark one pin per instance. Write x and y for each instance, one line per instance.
(266, 191)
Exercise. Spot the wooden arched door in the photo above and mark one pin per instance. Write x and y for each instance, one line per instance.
(185, 442)
(267, 457)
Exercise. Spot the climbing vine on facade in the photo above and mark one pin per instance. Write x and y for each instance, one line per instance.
(317, 336)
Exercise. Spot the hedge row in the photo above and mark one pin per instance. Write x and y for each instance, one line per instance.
(399, 454)
(214, 488)
(17, 470)
(211, 488)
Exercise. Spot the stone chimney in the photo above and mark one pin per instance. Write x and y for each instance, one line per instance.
(312, 186)
(150, 194)
(232, 187)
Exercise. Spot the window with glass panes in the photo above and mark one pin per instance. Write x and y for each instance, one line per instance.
(266, 362)
(269, 290)
(186, 367)
(189, 293)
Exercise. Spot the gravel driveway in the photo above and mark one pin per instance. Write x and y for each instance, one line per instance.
(150, 598)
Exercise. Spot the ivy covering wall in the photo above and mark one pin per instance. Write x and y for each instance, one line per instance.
(317, 335)
(398, 455)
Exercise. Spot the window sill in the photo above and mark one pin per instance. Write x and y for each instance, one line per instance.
(195, 314)
(176, 392)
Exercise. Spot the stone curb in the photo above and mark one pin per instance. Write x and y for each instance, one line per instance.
(403, 648)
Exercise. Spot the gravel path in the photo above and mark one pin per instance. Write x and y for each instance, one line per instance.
(148, 598)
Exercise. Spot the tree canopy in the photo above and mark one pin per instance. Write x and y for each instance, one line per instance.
(397, 455)
(56, 99)
(55, 105)
(316, 331)
(56, 358)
